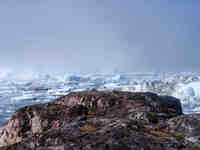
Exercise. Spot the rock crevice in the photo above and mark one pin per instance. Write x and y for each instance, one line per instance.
(106, 120)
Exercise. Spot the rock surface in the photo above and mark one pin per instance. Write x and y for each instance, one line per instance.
(94, 120)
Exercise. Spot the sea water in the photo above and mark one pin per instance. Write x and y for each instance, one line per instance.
(21, 89)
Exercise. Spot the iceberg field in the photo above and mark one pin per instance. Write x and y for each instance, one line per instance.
(21, 89)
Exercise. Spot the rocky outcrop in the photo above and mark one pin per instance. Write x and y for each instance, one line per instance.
(94, 120)
(187, 126)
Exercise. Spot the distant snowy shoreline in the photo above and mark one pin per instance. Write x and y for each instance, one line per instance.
(27, 88)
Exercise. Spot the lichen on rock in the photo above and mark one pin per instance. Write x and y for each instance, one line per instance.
(97, 120)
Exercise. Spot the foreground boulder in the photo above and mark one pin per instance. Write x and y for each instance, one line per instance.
(187, 126)
(94, 120)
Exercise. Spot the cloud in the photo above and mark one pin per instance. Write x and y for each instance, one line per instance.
(86, 36)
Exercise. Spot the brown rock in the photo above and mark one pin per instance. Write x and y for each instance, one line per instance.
(185, 125)
(97, 120)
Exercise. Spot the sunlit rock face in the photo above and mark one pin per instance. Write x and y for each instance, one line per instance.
(101, 120)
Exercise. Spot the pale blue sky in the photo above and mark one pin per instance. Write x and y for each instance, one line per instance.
(100, 35)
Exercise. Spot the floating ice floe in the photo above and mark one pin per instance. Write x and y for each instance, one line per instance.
(189, 94)
(31, 88)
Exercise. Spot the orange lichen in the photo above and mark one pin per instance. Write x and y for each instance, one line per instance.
(89, 118)
(160, 133)
(89, 128)
(90, 113)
